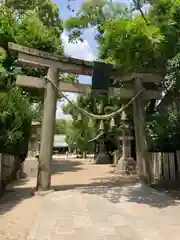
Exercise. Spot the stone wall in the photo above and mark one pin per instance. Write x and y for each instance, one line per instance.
(9, 165)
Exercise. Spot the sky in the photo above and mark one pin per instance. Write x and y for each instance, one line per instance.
(86, 50)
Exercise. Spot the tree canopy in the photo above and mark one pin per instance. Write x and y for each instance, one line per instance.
(61, 125)
(80, 130)
(34, 25)
(133, 38)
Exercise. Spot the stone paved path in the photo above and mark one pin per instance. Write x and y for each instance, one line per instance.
(75, 214)
(91, 203)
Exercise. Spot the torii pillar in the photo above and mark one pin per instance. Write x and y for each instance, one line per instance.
(47, 132)
(140, 135)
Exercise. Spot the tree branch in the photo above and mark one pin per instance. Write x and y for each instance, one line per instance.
(137, 5)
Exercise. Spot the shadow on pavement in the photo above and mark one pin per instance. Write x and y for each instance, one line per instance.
(18, 192)
(13, 197)
(114, 188)
(67, 165)
(119, 189)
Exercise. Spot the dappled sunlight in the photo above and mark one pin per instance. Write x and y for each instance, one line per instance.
(101, 181)
(129, 191)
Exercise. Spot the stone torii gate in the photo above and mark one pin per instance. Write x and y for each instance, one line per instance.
(55, 65)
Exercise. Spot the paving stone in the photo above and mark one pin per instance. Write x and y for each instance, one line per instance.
(93, 205)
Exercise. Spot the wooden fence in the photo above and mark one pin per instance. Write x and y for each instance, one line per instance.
(164, 167)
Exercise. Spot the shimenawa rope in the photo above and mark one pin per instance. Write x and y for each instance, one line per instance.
(91, 115)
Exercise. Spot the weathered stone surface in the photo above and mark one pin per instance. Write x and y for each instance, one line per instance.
(126, 166)
(102, 159)
(127, 213)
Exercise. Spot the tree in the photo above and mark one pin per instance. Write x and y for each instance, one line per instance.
(48, 12)
(80, 130)
(37, 26)
(78, 133)
(95, 14)
(15, 119)
(60, 126)
(133, 39)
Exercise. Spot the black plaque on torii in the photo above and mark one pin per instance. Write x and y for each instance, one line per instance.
(102, 77)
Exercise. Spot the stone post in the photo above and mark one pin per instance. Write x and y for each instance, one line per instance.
(102, 157)
(139, 124)
(126, 163)
(47, 131)
(101, 146)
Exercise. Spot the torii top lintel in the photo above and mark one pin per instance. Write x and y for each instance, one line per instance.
(42, 59)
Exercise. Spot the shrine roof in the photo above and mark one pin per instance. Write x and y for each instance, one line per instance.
(102, 135)
(97, 137)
